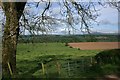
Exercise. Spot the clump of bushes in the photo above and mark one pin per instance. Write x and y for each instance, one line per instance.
(78, 48)
(71, 47)
(108, 57)
(66, 44)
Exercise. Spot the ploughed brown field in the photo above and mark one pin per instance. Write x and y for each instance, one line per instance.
(95, 45)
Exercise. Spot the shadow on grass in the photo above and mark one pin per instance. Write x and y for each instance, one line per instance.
(26, 68)
(69, 68)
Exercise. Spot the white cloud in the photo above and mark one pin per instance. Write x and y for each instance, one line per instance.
(108, 22)
(109, 13)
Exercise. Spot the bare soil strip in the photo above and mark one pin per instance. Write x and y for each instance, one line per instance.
(95, 45)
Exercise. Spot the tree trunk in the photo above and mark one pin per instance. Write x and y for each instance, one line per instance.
(13, 12)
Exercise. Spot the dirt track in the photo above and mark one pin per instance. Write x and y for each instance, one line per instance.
(95, 45)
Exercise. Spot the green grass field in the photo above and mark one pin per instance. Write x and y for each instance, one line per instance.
(33, 51)
(46, 60)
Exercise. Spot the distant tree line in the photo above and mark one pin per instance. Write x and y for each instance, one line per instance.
(66, 38)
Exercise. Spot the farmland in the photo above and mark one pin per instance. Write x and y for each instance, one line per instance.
(95, 45)
(56, 60)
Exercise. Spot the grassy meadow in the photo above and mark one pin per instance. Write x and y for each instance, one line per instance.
(50, 57)
(32, 51)
(54, 60)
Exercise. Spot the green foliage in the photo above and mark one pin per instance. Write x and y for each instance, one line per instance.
(67, 38)
(109, 57)
(78, 48)
(66, 44)
(109, 61)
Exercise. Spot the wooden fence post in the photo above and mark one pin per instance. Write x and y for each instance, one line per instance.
(43, 68)
(58, 68)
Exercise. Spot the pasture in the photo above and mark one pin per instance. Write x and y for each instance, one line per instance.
(55, 60)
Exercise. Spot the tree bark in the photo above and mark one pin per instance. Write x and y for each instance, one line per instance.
(13, 12)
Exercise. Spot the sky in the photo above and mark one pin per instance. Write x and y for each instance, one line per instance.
(108, 20)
